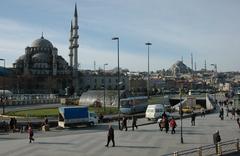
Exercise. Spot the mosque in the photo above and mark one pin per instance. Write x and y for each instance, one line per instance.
(42, 70)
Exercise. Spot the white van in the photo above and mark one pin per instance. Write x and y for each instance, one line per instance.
(154, 111)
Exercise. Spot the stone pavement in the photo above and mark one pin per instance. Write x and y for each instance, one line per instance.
(146, 140)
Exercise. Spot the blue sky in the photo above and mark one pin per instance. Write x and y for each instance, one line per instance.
(210, 29)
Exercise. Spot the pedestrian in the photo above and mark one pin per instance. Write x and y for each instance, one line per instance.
(134, 122)
(110, 136)
(46, 121)
(166, 125)
(14, 124)
(30, 133)
(238, 122)
(216, 140)
(173, 125)
(124, 123)
(101, 117)
(11, 122)
(221, 114)
(164, 115)
(203, 112)
(227, 110)
(193, 117)
(233, 113)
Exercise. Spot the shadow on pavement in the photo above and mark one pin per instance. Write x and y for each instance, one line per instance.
(121, 146)
(55, 143)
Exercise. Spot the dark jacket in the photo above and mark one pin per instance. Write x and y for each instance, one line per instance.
(111, 132)
(216, 138)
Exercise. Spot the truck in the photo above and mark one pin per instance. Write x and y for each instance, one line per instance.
(73, 116)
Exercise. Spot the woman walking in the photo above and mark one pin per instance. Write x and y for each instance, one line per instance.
(173, 125)
(30, 133)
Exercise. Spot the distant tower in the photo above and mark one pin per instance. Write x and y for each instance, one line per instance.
(205, 65)
(94, 65)
(195, 65)
(182, 59)
(71, 46)
(192, 61)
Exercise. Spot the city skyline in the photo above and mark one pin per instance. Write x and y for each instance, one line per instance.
(209, 30)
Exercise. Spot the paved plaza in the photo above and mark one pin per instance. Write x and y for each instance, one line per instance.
(146, 140)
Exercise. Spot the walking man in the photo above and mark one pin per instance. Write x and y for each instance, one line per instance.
(134, 122)
(221, 114)
(233, 113)
(166, 125)
(216, 140)
(203, 112)
(193, 117)
(238, 122)
(124, 123)
(227, 110)
(110, 136)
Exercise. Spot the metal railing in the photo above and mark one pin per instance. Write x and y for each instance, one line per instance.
(221, 148)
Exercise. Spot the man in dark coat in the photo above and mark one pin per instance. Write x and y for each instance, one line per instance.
(124, 123)
(193, 117)
(134, 122)
(110, 136)
(216, 140)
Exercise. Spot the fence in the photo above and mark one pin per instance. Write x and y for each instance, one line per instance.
(221, 148)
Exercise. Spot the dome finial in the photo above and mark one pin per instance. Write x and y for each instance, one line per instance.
(42, 36)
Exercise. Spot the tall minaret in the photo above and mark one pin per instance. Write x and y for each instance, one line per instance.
(75, 39)
(70, 46)
(75, 49)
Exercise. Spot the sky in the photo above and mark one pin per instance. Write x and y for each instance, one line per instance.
(209, 29)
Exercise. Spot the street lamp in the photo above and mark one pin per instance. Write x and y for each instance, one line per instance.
(3, 99)
(148, 44)
(118, 87)
(181, 112)
(104, 102)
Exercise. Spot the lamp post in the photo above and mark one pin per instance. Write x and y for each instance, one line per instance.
(3, 98)
(118, 87)
(148, 44)
(104, 93)
(181, 112)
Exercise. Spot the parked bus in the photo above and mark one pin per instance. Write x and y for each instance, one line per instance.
(132, 105)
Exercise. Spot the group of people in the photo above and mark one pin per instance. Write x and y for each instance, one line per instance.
(124, 123)
(13, 124)
(164, 122)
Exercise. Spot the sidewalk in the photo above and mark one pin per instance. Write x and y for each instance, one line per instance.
(146, 140)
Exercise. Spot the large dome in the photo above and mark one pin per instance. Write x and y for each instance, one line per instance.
(42, 43)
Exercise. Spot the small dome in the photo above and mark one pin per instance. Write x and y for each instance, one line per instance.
(42, 43)
(21, 58)
(40, 57)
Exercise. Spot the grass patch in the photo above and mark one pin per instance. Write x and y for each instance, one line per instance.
(50, 112)
(53, 112)
(109, 110)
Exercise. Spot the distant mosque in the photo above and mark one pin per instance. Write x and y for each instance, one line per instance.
(42, 70)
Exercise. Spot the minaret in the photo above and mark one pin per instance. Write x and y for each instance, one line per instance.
(75, 49)
(75, 39)
(70, 46)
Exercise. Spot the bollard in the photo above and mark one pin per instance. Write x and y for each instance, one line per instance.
(175, 153)
(200, 151)
(219, 148)
(237, 144)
